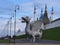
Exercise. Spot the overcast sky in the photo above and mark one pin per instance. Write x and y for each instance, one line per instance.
(7, 8)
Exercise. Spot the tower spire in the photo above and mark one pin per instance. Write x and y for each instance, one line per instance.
(46, 19)
(52, 11)
(34, 12)
(45, 8)
(41, 11)
(52, 14)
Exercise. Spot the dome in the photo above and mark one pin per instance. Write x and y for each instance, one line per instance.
(42, 16)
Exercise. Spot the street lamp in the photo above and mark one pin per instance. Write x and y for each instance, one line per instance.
(16, 8)
(10, 27)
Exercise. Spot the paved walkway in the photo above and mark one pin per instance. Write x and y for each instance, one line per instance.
(29, 44)
(37, 41)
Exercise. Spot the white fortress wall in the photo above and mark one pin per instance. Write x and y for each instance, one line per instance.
(53, 24)
(20, 33)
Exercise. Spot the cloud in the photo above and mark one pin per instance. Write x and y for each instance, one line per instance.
(19, 25)
(4, 25)
(27, 6)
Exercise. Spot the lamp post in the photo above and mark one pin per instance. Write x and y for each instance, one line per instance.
(10, 28)
(16, 8)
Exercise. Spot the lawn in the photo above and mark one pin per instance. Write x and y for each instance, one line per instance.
(52, 34)
(21, 37)
(4, 41)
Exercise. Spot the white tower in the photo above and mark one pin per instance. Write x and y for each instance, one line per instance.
(52, 14)
(35, 13)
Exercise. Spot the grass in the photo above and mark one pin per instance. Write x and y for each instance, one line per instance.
(17, 37)
(4, 41)
(21, 37)
(52, 34)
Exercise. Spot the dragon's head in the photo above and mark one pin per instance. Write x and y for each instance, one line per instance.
(25, 19)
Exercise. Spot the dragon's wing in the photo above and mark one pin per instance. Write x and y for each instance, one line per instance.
(36, 25)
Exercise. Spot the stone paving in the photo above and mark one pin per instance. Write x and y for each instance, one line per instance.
(37, 41)
(29, 44)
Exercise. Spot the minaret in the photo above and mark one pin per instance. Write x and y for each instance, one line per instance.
(45, 10)
(34, 13)
(46, 19)
(41, 17)
(52, 14)
(41, 11)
